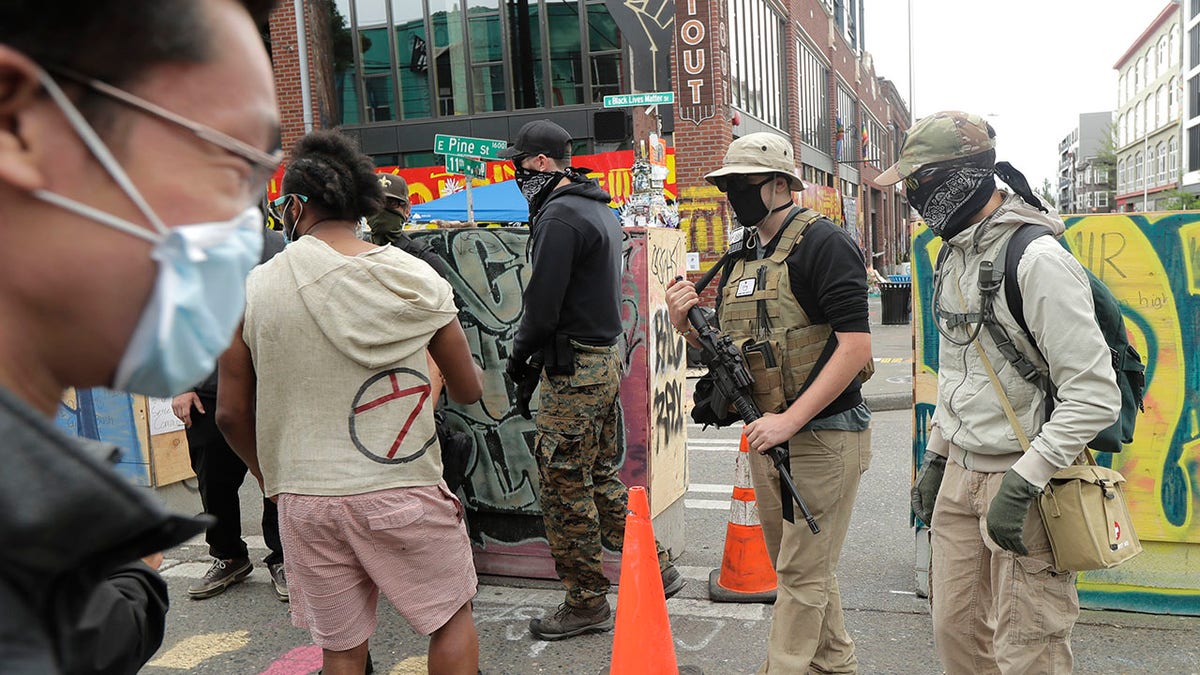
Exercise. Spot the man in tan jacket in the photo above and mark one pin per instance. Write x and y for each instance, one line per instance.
(999, 605)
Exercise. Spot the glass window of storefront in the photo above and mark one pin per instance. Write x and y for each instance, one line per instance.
(756, 65)
(414, 59)
(813, 83)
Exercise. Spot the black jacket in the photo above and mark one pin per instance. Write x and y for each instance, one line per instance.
(575, 284)
(74, 595)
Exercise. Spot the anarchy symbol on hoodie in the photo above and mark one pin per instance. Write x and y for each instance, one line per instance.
(383, 413)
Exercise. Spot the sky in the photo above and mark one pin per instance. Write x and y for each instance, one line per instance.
(1030, 66)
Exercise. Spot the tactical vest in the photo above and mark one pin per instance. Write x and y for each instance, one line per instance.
(763, 318)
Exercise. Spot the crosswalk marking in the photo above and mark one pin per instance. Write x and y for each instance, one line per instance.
(710, 488)
(710, 504)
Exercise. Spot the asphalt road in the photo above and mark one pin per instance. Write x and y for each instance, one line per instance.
(246, 630)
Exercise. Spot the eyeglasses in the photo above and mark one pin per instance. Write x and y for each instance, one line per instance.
(736, 182)
(911, 183)
(263, 164)
(276, 207)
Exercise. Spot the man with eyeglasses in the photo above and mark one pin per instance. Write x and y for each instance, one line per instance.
(998, 603)
(794, 299)
(571, 323)
(134, 140)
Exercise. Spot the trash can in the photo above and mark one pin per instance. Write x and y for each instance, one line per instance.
(896, 300)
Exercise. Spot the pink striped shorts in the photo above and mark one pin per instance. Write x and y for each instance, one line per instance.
(340, 552)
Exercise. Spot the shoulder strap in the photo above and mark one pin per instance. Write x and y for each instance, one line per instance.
(793, 232)
(1007, 261)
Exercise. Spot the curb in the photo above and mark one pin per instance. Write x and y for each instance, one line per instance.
(892, 401)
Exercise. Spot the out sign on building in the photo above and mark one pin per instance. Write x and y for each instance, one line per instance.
(696, 100)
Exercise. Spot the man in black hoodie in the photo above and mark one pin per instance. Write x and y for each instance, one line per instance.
(572, 320)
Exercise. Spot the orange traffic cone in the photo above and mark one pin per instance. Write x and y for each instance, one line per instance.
(642, 642)
(746, 573)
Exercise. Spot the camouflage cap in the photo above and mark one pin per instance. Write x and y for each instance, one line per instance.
(394, 186)
(759, 152)
(938, 138)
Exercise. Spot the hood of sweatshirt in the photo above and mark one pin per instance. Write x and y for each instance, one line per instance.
(377, 308)
(1012, 213)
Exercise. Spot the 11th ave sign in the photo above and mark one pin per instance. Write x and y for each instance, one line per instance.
(464, 146)
(630, 100)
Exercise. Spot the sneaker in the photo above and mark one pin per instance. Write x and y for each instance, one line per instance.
(222, 575)
(570, 621)
(672, 581)
(279, 580)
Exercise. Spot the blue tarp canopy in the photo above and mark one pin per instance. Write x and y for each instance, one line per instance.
(494, 203)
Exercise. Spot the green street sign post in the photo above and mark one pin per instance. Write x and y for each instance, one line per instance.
(466, 166)
(631, 100)
(463, 146)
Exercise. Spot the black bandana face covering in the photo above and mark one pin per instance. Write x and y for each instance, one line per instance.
(536, 186)
(949, 199)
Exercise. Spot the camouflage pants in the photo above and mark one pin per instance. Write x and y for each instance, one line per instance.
(579, 448)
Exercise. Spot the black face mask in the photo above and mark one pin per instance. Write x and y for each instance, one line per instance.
(746, 201)
(950, 198)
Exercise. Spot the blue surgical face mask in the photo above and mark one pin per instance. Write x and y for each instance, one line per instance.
(199, 294)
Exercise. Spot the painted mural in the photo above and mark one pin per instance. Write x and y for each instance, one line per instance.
(489, 271)
(1151, 262)
(612, 170)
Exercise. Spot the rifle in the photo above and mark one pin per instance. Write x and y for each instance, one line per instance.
(732, 380)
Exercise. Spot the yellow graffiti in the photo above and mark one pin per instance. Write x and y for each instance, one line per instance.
(192, 651)
(1115, 250)
(1189, 243)
(702, 218)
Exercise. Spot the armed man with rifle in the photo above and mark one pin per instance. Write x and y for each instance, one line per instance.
(793, 305)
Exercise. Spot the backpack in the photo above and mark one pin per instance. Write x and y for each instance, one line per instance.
(1126, 362)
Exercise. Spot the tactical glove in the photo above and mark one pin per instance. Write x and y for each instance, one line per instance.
(1006, 515)
(925, 490)
(525, 376)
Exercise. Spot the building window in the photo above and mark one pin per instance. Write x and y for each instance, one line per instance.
(413, 59)
(1162, 163)
(1160, 107)
(1172, 99)
(847, 126)
(1172, 44)
(1193, 149)
(874, 142)
(756, 76)
(1173, 157)
(1102, 200)
(1194, 46)
(1100, 174)
(1121, 176)
(1139, 166)
(1160, 64)
(813, 85)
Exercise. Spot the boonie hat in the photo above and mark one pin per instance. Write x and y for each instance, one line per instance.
(540, 137)
(760, 152)
(394, 186)
(940, 137)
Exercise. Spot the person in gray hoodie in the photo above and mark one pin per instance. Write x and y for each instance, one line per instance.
(327, 397)
(999, 604)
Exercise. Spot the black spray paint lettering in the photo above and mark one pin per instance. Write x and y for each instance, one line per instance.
(668, 345)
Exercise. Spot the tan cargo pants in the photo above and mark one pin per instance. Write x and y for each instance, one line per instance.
(807, 631)
(995, 611)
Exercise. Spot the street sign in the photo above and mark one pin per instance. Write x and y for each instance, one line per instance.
(466, 166)
(463, 146)
(631, 100)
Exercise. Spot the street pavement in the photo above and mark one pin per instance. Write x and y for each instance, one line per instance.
(246, 630)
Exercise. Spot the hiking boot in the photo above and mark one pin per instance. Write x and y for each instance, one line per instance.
(570, 621)
(222, 575)
(279, 580)
(672, 581)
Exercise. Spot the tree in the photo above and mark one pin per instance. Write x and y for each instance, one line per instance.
(1178, 200)
(1047, 192)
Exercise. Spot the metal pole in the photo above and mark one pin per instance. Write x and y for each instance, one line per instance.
(470, 201)
(302, 47)
(1146, 171)
(912, 104)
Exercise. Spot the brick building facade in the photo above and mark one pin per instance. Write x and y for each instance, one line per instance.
(795, 67)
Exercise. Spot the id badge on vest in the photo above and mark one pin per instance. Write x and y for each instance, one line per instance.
(745, 287)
